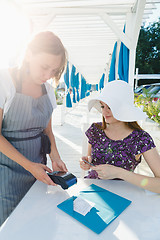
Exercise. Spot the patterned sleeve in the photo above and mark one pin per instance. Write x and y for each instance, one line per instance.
(145, 142)
(92, 134)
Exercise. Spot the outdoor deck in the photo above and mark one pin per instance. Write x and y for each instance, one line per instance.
(70, 136)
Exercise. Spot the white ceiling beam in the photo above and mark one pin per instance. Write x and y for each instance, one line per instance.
(82, 11)
(134, 21)
(83, 28)
(147, 11)
(87, 37)
(87, 45)
(152, 1)
(95, 42)
(43, 23)
(91, 67)
(137, 21)
(49, 19)
(121, 36)
(86, 18)
(150, 6)
(85, 3)
(81, 23)
(86, 32)
(89, 54)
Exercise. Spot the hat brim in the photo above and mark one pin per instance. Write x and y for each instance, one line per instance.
(125, 112)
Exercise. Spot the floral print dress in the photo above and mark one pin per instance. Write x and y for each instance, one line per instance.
(120, 153)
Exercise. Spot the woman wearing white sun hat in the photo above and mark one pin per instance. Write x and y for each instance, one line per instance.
(116, 145)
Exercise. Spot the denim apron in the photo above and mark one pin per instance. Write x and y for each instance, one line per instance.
(22, 125)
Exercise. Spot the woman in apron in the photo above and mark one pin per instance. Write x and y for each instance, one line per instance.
(26, 105)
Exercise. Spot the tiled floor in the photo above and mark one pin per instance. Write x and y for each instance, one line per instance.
(70, 138)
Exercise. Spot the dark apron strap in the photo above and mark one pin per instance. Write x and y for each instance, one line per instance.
(45, 143)
(13, 139)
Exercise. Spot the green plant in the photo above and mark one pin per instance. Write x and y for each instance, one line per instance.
(59, 98)
(151, 107)
(56, 94)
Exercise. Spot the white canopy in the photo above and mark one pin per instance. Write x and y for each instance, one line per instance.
(89, 29)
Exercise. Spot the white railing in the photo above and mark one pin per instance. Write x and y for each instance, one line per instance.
(145, 76)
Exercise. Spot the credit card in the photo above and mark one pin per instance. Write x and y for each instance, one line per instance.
(91, 164)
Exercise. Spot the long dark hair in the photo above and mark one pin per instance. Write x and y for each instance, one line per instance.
(132, 125)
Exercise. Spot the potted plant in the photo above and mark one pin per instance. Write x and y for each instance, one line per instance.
(149, 105)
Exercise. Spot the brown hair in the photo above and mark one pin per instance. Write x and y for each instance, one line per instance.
(48, 42)
(132, 125)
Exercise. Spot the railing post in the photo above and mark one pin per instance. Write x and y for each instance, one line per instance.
(136, 78)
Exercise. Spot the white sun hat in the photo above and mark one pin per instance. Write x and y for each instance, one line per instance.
(119, 96)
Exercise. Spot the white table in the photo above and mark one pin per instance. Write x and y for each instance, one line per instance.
(38, 218)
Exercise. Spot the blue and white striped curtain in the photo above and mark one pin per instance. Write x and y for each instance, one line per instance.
(123, 63)
(66, 80)
(101, 82)
(112, 71)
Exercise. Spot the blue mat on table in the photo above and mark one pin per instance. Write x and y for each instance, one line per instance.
(108, 206)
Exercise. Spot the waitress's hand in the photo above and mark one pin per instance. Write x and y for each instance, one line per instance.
(59, 165)
(38, 170)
